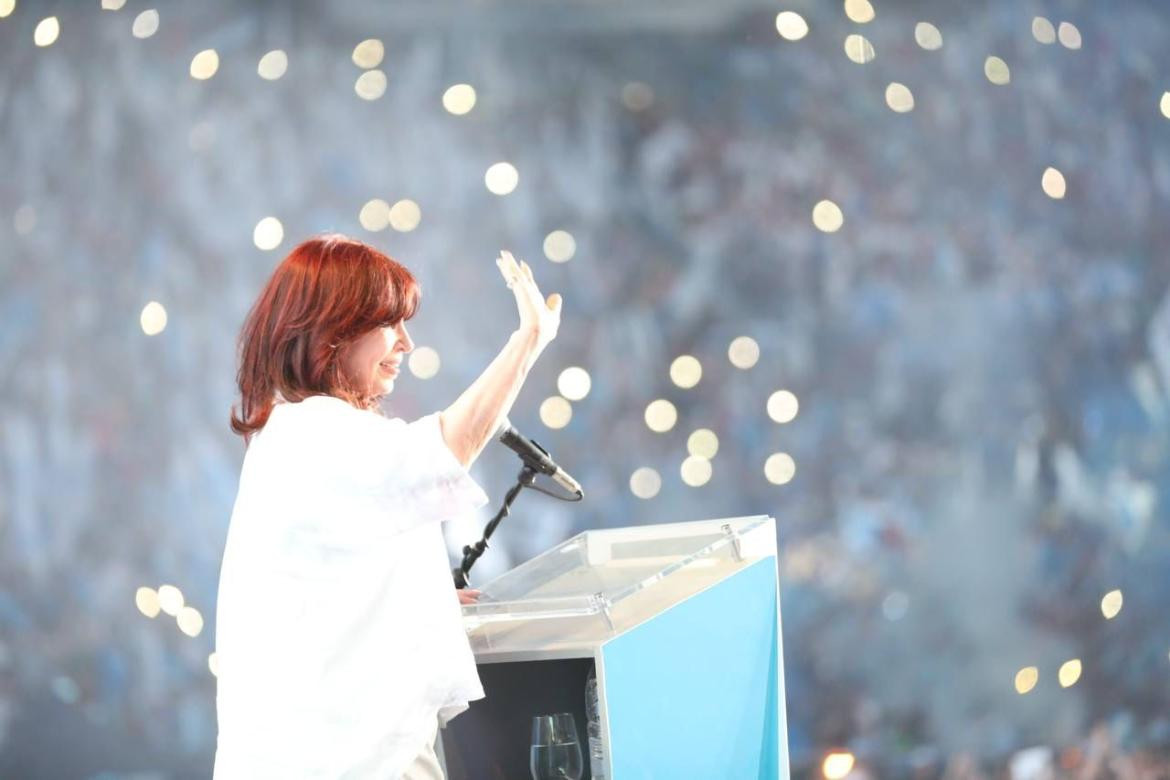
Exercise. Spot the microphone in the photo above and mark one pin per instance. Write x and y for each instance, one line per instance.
(537, 457)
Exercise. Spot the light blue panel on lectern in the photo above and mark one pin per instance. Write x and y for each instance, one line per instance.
(694, 692)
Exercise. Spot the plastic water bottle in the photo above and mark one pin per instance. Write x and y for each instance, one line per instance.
(593, 716)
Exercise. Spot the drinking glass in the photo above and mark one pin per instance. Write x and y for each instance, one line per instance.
(556, 751)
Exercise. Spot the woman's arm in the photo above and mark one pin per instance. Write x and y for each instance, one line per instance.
(475, 415)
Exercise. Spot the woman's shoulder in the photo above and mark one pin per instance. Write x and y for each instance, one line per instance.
(311, 409)
(314, 404)
(322, 401)
(329, 433)
(330, 411)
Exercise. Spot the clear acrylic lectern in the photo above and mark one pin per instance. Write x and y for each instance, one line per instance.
(681, 624)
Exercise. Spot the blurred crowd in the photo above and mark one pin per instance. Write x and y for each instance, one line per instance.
(983, 371)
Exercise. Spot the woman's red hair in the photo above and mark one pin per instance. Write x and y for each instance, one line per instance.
(327, 293)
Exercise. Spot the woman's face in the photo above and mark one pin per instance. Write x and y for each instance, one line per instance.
(374, 361)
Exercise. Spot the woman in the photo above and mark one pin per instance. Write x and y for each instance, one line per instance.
(338, 637)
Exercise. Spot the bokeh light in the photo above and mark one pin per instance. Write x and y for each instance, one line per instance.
(1053, 183)
(213, 664)
(779, 468)
(1111, 604)
(859, 49)
(1165, 104)
(637, 96)
(837, 766)
(895, 606)
(743, 352)
(1070, 672)
(424, 362)
(153, 318)
(170, 599)
(501, 178)
(146, 599)
(368, 53)
(791, 25)
(375, 215)
(695, 471)
(783, 406)
(459, 99)
(405, 215)
(47, 31)
(190, 621)
(1043, 31)
(204, 64)
(860, 11)
(928, 36)
(1068, 35)
(827, 216)
(560, 246)
(268, 234)
(686, 371)
(273, 65)
(899, 98)
(661, 415)
(1026, 679)
(145, 24)
(703, 443)
(574, 383)
(8, 6)
(997, 71)
(371, 85)
(556, 411)
(645, 482)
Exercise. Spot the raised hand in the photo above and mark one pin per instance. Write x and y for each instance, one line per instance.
(537, 315)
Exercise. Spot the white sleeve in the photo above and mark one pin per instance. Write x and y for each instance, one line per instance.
(422, 477)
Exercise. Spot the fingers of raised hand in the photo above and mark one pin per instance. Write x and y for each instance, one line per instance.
(530, 281)
(510, 264)
(508, 267)
(520, 272)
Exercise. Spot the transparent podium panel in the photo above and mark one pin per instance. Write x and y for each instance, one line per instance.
(569, 600)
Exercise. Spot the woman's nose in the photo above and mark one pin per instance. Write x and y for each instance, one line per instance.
(404, 339)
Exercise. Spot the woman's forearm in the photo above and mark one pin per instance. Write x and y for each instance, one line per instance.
(471, 420)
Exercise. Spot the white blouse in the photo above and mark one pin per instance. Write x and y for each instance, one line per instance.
(339, 635)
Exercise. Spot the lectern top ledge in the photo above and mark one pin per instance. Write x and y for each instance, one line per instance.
(569, 600)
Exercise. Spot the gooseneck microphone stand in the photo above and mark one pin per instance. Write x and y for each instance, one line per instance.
(526, 479)
(471, 553)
